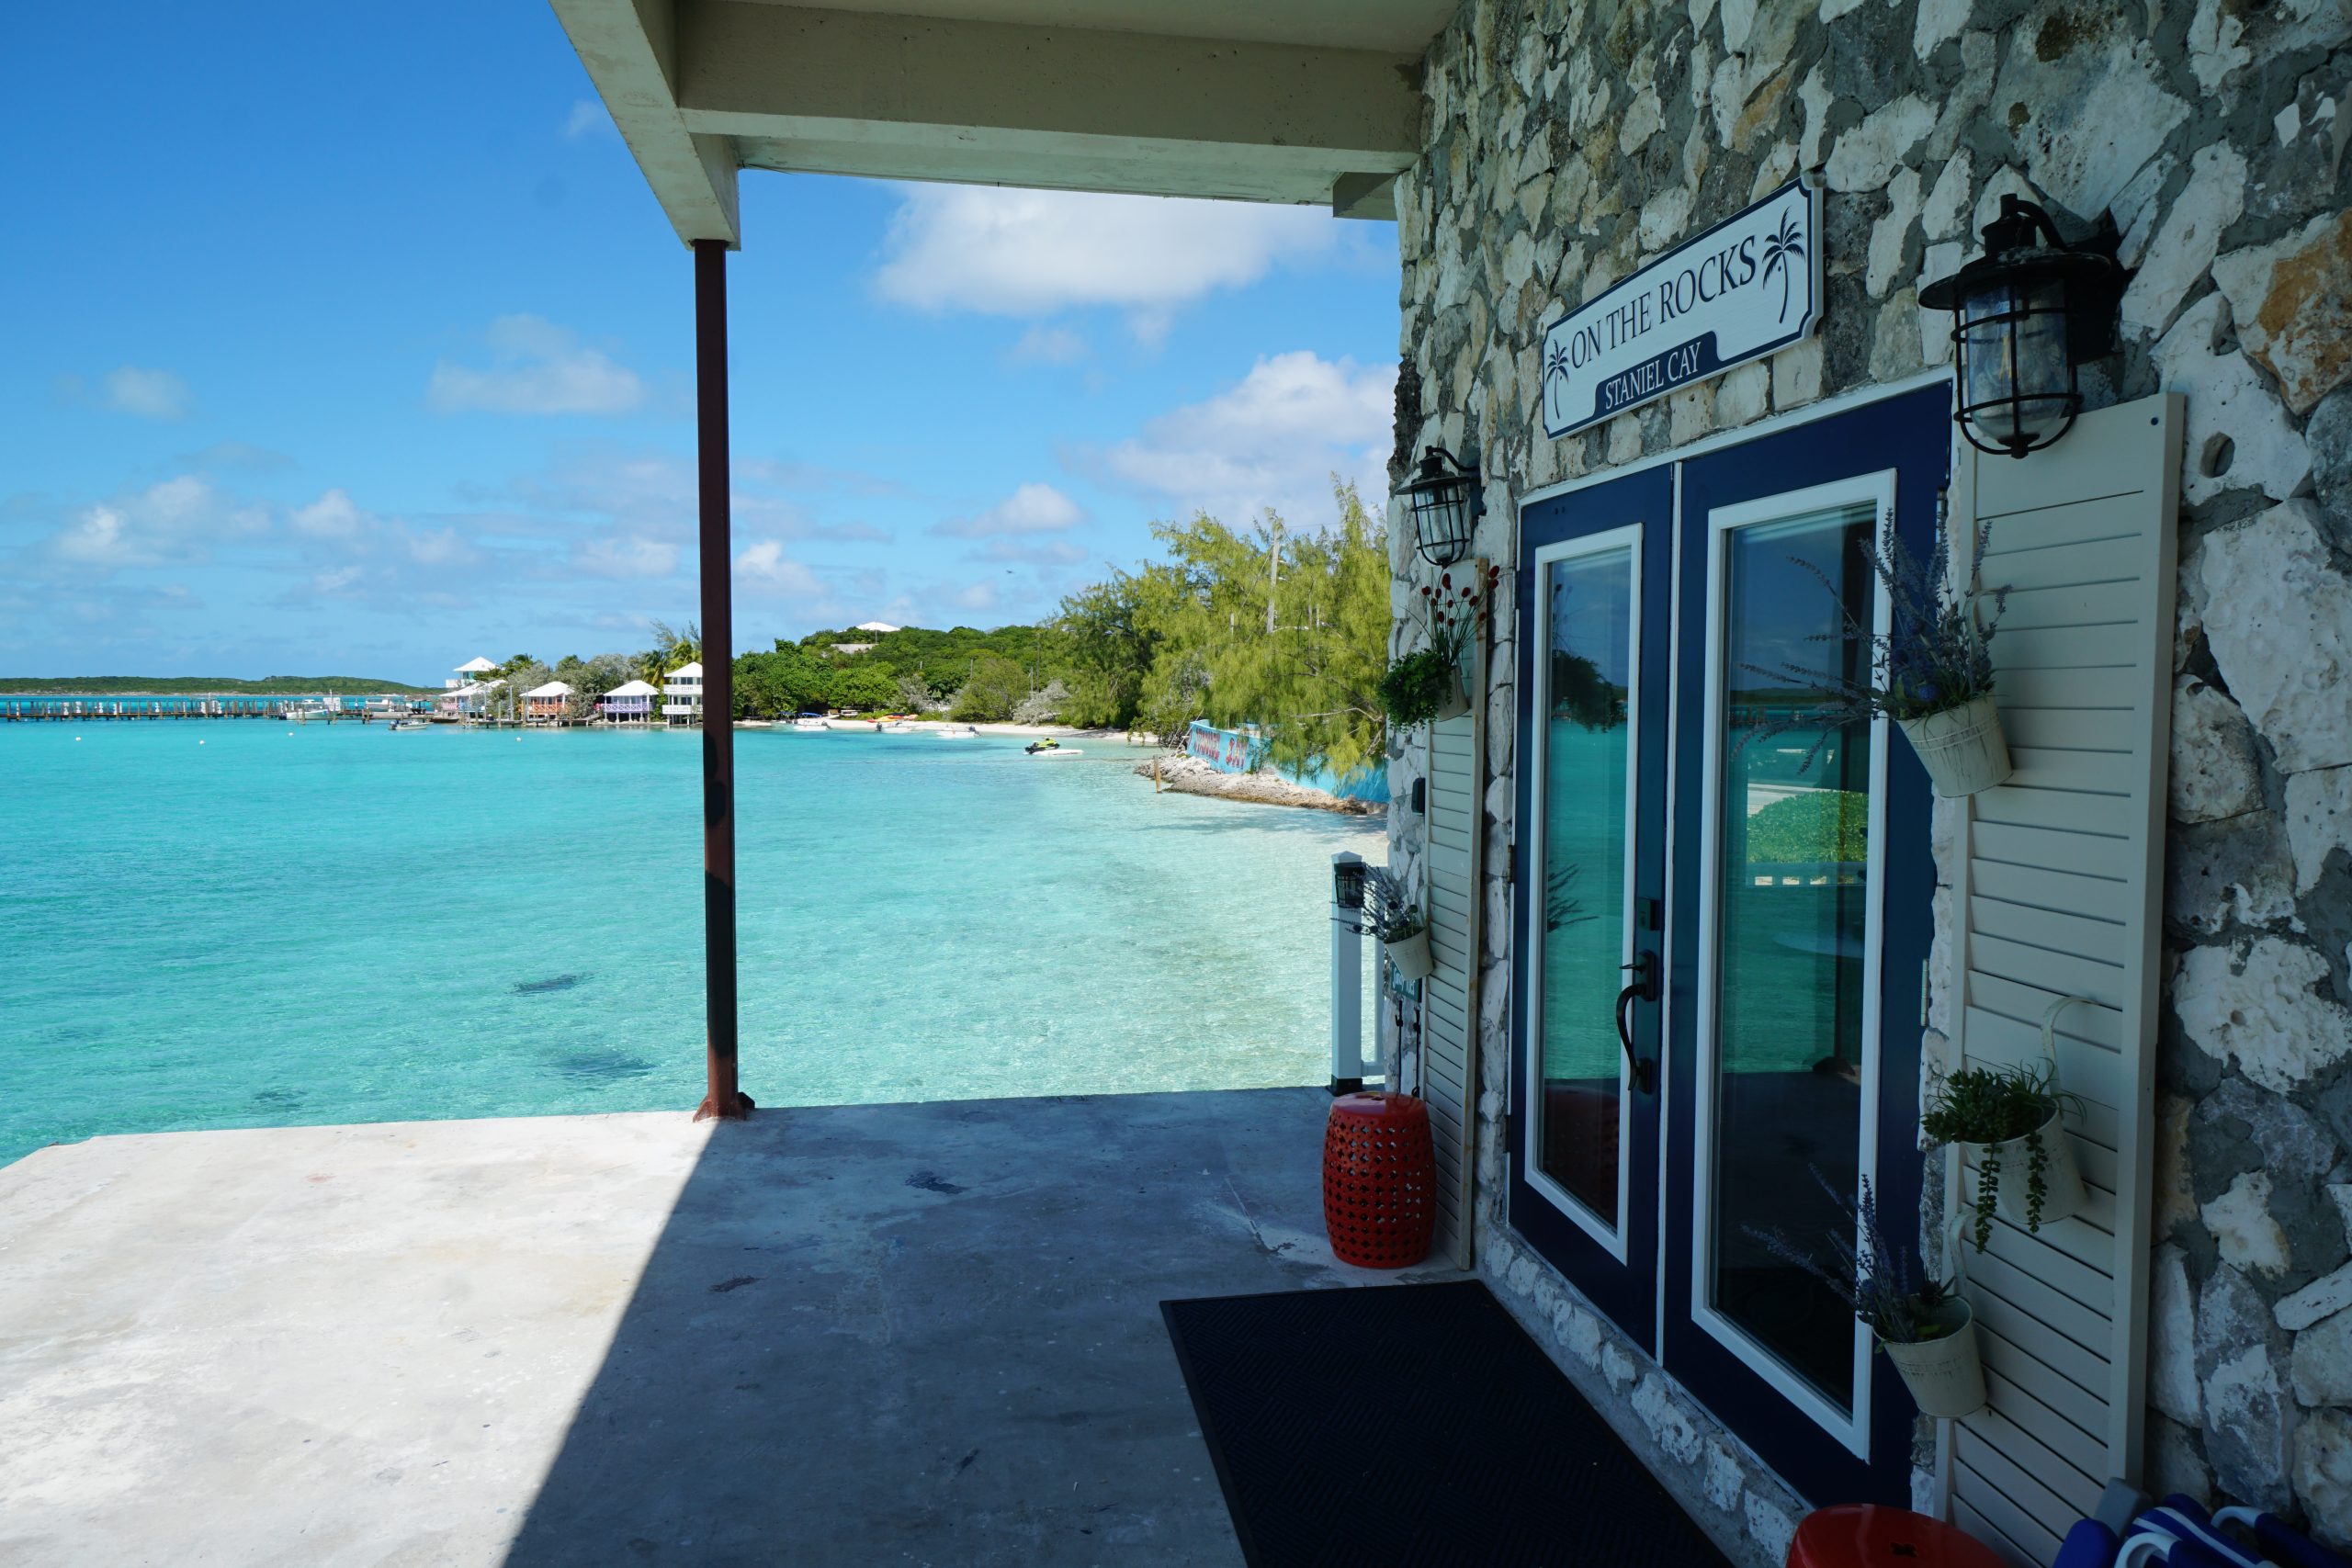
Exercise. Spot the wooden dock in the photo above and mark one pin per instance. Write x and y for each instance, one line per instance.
(107, 710)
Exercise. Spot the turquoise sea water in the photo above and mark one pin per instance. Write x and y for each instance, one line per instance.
(224, 924)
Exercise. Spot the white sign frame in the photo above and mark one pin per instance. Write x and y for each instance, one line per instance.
(1674, 322)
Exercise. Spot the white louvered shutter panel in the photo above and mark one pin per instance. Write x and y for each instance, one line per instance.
(1456, 828)
(2060, 895)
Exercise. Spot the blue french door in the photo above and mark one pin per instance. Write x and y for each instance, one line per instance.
(1590, 865)
(1801, 896)
(1669, 1141)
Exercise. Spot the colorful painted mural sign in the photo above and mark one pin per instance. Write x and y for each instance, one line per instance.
(1227, 750)
(1747, 288)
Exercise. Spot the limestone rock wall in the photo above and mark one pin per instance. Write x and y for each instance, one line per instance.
(1566, 142)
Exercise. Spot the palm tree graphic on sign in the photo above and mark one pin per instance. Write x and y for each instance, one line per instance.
(1781, 254)
(1555, 374)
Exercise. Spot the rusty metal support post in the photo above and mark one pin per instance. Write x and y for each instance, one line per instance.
(724, 1099)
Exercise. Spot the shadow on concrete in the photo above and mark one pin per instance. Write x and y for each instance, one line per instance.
(930, 1333)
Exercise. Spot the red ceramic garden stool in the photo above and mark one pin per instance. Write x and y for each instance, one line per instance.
(1859, 1535)
(1379, 1181)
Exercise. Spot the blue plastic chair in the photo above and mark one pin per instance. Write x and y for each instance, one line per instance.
(2281, 1543)
(2179, 1531)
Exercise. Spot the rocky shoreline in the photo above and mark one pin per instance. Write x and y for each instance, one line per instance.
(1187, 774)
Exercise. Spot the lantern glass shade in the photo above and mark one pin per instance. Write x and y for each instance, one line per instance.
(2016, 378)
(1346, 884)
(2025, 315)
(1444, 498)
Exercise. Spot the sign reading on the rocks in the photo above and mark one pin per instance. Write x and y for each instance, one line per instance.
(1748, 287)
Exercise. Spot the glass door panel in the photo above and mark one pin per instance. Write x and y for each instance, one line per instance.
(1792, 894)
(1583, 927)
(1588, 884)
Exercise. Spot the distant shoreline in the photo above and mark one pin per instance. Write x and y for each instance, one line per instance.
(206, 686)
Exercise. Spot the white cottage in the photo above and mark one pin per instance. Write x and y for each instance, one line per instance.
(682, 694)
(631, 703)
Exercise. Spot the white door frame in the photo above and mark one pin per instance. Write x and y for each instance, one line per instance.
(1608, 1234)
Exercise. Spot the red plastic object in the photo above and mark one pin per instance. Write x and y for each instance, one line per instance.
(1379, 1181)
(1862, 1535)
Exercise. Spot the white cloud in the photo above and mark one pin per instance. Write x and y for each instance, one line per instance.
(1032, 509)
(763, 567)
(436, 547)
(1031, 253)
(151, 394)
(179, 519)
(334, 581)
(633, 557)
(587, 118)
(332, 516)
(656, 495)
(982, 595)
(536, 367)
(102, 536)
(1047, 345)
(1271, 439)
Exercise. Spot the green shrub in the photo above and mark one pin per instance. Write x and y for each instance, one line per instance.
(1417, 686)
(1812, 826)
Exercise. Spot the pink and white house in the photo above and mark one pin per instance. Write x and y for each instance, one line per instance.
(546, 704)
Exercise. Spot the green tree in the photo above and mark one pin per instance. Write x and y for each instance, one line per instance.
(996, 687)
(1111, 647)
(915, 695)
(866, 685)
(1271, 627)
(785, 682)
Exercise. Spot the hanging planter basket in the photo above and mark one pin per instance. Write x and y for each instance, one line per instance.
(2063, 1195)
(2062, 1179)
(1962, 747)
(1409, 956)
(1456, 701)
(1945, 1375)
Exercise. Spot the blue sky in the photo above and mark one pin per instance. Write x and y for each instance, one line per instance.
(346, 339)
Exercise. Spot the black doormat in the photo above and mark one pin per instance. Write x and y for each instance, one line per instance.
(1412, 1424)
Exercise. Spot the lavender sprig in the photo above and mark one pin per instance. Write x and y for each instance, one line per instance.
(1881, 1285)
(1935, 655)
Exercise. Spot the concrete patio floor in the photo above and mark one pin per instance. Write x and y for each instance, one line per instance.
(899, 1334)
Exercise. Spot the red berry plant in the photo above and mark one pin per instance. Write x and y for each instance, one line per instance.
(1422, 684)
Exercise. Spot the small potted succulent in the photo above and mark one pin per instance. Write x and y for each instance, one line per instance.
(1426, 684)
(1923, 1324)
(1930, 672)
(1394, 917)
(2009, 1118)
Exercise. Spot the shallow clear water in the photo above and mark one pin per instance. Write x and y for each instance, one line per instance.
(221, 924)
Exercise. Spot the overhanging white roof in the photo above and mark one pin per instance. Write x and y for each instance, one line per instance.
(552, 689)
(694, 670)
(1311, 102)
(476, 667)
(632, 689)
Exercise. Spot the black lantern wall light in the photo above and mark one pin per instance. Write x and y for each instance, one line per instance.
(1347, 882)
(2026, 314)
(1446, 504)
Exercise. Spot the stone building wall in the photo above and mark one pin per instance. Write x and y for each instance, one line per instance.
(1567, 142)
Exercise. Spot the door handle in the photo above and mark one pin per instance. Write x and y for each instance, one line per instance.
(1642, 1070)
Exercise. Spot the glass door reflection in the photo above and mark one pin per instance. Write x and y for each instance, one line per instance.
(1788, 981)
(1588, 785)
